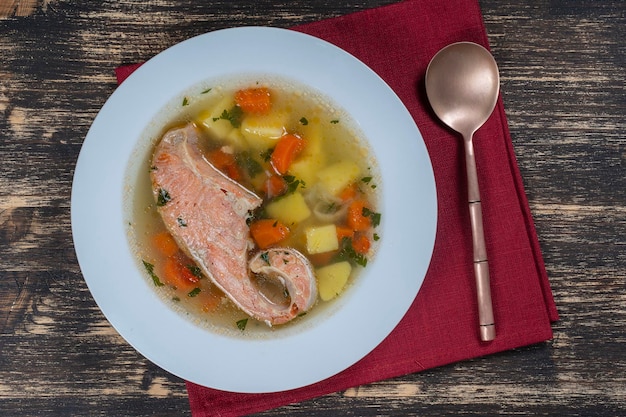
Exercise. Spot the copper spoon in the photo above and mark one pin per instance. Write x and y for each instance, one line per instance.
(462, 85)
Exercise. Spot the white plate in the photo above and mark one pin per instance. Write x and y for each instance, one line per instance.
(363, 317)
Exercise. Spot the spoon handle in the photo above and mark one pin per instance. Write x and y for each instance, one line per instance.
(481, 264)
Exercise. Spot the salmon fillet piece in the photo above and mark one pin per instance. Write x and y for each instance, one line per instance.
(206, 212)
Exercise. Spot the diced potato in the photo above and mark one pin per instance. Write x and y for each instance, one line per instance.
(320, 239)
(306, 168)
(334, 178)
(263, 131)
(331, 279)
(312, 158)
(290, 209)
(210, 119)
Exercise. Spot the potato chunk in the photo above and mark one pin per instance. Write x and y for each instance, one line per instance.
(320, 239)
(332, 279)
(290, 209)
(263, 131)
(334, 178)
(212, 121)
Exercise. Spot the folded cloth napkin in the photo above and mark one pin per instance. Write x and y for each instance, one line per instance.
(441, 327)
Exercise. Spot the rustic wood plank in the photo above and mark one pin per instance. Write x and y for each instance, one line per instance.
(562, 66)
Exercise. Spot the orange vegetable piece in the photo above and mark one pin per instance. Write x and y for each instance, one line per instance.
(165, 244)
(361, 244)
(286, 151)
(274, 186)
(176, 273)
(343, 231)
(349, 193)
(321, 259)
(268, 232)
(254, 100)
(225, 162)
(355, 218)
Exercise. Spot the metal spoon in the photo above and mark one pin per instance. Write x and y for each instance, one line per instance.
(462, 84)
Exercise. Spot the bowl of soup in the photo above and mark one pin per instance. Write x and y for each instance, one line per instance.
(254, 221)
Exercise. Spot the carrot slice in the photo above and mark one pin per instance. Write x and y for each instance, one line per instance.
(225, 162)
(349, 193)
(286, 151)
(274, 186)
(165, 244)
(254, 100)
(321, 259)
(268, 232)
(361, 244)
(343, 231)
(176, 273)
(355, 218)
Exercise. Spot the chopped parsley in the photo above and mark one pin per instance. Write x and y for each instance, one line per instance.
(195, 271)
(347, 253)
(266, 257)
(163, 197)
(367, 180)
(247, 162)
(304, 121)
(233, 115)
(241, 324)
(293, 183)
(376, 237)
(334, 121)
(267, 155)
(375, 217)
(181, 222)
(185, 101)
(194, 292)
(150, 268)
(206, 91)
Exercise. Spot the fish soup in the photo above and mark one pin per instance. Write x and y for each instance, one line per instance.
(258, 206)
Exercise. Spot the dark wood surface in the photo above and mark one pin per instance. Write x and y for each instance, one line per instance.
(563, 76)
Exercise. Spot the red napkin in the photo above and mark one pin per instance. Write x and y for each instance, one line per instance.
(441, 327)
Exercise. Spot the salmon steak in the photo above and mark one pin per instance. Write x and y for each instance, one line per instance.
(206, 212)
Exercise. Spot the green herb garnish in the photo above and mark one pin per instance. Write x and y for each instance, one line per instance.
(206, 91)
(347, 253)
(266, 257)
(195, 271)
(375, 217)
(366, 180)
(247, 162)
(185, 101)
(233, 115)
(304, 121)
(334, 121)
(376, 237)
(241, 324)
(150, 268)
(267, 155)
(293, 183)
(194, 292)
(163, 197)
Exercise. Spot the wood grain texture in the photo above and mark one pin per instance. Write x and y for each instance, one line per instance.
(562, 68)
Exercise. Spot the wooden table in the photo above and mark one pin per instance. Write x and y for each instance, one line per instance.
(562, 65)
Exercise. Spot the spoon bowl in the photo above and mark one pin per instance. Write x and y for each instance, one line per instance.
(462, 85)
